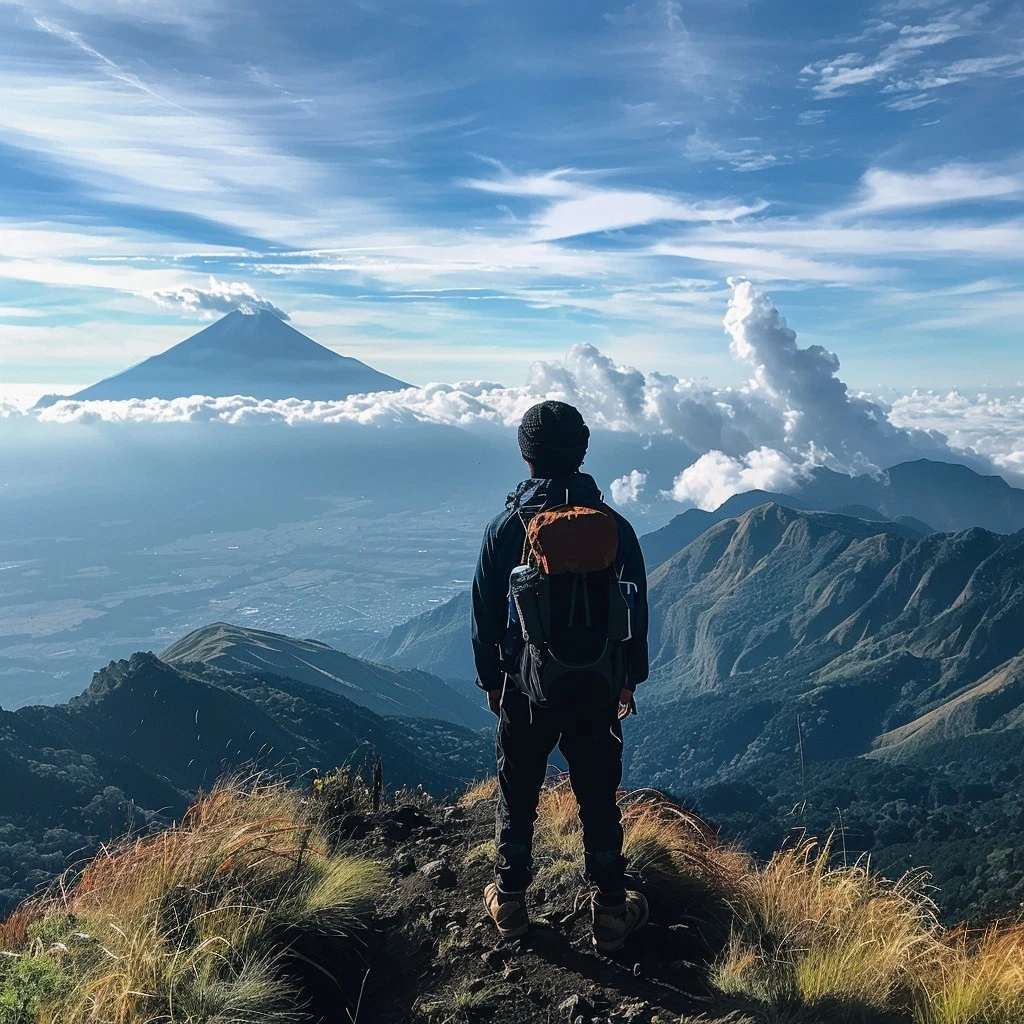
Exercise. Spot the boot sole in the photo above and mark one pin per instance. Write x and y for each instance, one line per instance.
(508, 933)
(614, 947)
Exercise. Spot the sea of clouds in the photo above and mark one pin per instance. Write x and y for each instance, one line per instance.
(793, 414)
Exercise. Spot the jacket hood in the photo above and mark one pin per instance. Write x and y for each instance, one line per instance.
(538, 493)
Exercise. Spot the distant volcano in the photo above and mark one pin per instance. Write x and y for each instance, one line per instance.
(245, 353)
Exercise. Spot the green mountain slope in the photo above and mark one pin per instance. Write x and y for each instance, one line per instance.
(819, 671)
(384, 690)
(858, 627)
(435, 641)
(146, 735)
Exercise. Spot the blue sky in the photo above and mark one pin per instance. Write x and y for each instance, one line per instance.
(450, 189)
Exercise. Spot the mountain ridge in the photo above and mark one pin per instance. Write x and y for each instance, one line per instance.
(407, 692)
(926, 494)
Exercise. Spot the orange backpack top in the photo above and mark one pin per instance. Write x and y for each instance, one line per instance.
(572, 538)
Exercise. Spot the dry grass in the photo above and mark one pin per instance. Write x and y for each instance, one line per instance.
(191, 924)
(480, 792)
(804, 938)
(810, 934)
(978, 979)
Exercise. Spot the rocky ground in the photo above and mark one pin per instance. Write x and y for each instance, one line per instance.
(438, 959)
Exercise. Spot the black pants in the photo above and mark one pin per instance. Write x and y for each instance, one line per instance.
(591, 742)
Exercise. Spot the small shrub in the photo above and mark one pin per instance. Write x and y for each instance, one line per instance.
(343, 792)
(482, 853)
(28, 982)
(458, 1004)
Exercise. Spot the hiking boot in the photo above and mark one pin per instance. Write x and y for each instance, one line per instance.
(507, 910)
(614, 921)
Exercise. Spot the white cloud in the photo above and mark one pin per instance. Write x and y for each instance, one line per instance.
(957, 71)
(716, 477)
(219, 298)
(764, 263)
(699, 147)
(898, 64)
(914, 102)
(826, 237)
(626, 490)
(952, 183)
(550, 184)
(819, 413)
(576, 208)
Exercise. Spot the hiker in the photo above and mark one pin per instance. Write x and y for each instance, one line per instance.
(560, 643)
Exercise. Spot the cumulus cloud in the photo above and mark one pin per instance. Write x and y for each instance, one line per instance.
(626, 490)
(696, 443)
(219, 298)
(716, 477)
(991, 425)
(815, 409)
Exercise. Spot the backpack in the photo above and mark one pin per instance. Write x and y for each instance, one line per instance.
(569, 614)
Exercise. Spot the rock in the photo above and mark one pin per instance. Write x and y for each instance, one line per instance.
(402, 821)
(406, 866)
(439, 874)
(495, 959)
(576, 1006)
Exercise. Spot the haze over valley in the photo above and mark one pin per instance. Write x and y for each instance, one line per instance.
(131, 521)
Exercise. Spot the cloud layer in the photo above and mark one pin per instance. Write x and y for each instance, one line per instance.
(793, 413)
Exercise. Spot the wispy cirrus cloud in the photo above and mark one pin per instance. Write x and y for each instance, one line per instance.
(949, 184)
(914, 57)
(575, 207)
(838, 75)
(699, 147)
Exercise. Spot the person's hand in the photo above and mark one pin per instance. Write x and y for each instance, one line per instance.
(625, 703)
(494, 701)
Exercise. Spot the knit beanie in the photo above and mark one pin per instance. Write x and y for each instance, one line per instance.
(554, 438)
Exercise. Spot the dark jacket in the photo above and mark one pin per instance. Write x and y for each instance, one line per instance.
(502, 551)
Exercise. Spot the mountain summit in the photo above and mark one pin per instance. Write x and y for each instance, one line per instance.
(245, 353)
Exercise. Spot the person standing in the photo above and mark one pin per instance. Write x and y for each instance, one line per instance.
(560, 644)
